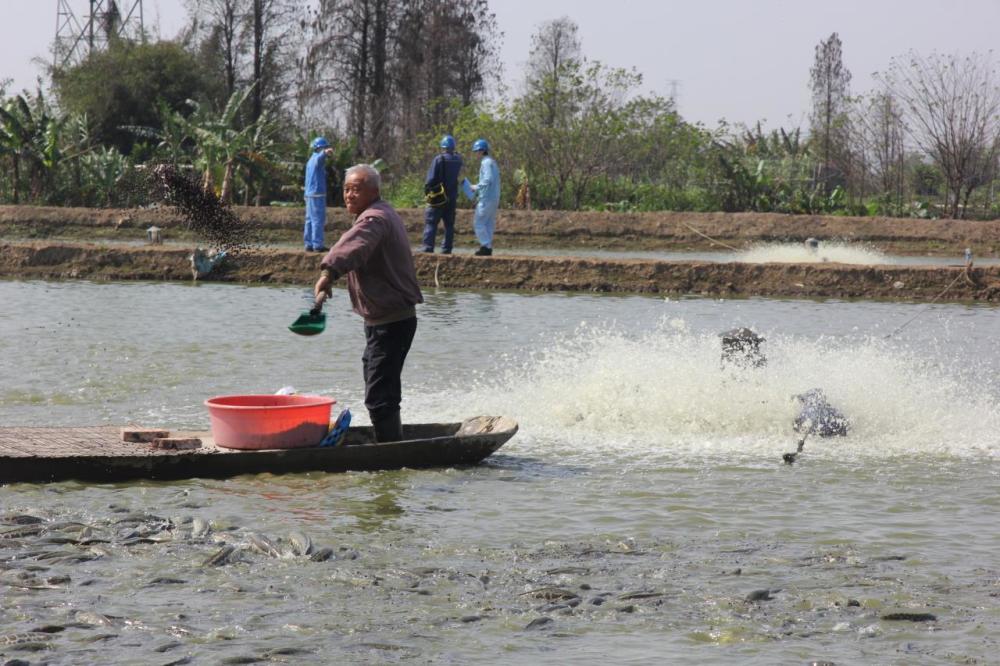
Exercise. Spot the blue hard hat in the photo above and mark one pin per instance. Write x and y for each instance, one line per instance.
(319, 143)
(448, 142)
(480, 144)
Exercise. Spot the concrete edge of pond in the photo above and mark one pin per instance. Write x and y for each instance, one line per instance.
(63, 260)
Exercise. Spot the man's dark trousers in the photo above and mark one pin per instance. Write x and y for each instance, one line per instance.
(431, 218)
(385, 351)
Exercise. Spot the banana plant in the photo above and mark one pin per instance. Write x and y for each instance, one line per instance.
(219, 143)
(260, 158)
(104, 167)
(171, 138)
(16, 138)
(30, 136)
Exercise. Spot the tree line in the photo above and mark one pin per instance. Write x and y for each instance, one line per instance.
(239, 94)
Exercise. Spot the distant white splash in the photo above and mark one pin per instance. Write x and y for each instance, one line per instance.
(798, 253)
(606, 391)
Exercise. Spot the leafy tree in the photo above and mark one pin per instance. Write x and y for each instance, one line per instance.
(121, 85)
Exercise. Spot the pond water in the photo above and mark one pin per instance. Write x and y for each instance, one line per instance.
(642, 514)
(757, 253)
(762, 253)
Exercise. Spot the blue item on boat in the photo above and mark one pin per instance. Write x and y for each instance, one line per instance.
(338, 430)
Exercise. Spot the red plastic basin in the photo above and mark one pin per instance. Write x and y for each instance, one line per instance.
(269, 421)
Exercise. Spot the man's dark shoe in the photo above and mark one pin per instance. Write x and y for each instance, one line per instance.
(427, 250)
(321, 248)
(446, 251)
(484, 251)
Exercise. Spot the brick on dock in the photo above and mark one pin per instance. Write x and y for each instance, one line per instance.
(144, 435)
(177, 443)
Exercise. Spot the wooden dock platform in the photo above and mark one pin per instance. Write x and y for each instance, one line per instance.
(32, 454)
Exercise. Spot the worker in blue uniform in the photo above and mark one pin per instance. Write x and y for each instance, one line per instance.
(487, 198)
(442, 178)
(316, 195)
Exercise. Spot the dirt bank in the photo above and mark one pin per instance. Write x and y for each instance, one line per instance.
(61, 260)
(636, 231)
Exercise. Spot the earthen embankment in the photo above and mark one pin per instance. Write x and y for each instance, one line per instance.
(64, 260)
(562, 229)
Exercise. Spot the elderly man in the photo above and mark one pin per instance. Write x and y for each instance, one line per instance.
(375, 256)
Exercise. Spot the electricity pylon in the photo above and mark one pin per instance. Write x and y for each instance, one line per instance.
(108, 19)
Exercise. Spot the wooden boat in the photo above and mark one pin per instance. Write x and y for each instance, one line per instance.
(99, 454)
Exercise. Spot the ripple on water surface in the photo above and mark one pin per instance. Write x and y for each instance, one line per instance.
(642, 513)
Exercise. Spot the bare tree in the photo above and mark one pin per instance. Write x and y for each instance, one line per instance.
(272, 30)
(250, 41)
(446, 51)
(476, 49)
(350, 49)
(396, 66)
(554, 60)
(218, 21)
(318, 72)
(952, 105)
(879, 134)
(829, 80)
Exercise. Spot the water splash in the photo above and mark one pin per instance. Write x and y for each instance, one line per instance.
(797, 253)
(603, 390)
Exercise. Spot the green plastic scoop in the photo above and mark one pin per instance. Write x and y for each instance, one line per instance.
(311, 322)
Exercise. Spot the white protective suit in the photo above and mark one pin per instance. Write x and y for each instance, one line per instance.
(487, 201)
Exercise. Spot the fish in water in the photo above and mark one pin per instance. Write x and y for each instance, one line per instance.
(818, 417)
(29, 638)
(200, 528)
(761, 595)
(322, 555)
(263, 545)
(20, 519)
(222, 557)
(301, 543)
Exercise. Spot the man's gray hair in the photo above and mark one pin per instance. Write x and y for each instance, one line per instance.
(369, 172)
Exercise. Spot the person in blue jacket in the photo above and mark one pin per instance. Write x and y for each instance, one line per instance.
(316, 195)
(443, 171)
(487, 198)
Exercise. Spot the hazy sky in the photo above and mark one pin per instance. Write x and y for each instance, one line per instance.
(742, 60)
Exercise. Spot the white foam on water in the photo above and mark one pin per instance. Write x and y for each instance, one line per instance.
(798, 253)
(603, 390)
